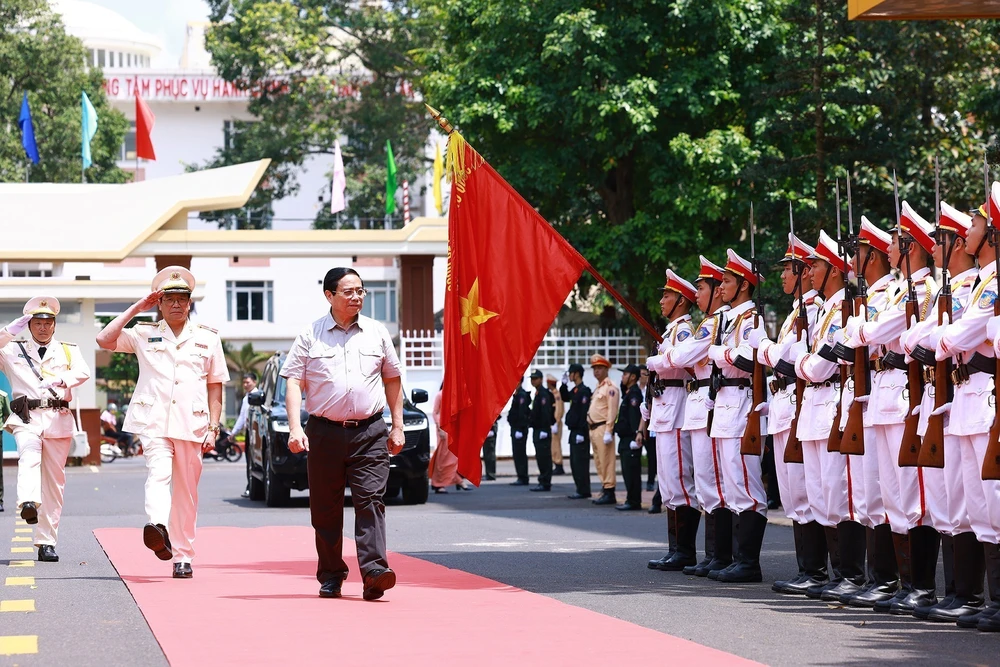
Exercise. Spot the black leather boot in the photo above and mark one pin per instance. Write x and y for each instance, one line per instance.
(779, 585)
(607, 497)
(948, 565)
(751, 537)
(988, 620)
(901, 547)
(968, 568)
(853, 544)
(814, 552)
(925, 543)
(701, 569)
(883, 577)
(686, 554)
(671, 541)
(833, 550)
(723, 556)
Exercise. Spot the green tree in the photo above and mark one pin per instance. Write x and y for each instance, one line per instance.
(38, 57)
(322, 70)
(243, 360)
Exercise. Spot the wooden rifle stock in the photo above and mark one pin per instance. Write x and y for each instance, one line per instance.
(793, 448)
(932, 450)
(909, 450)
(833, 442)
(991, 462)
(852, 441)
(751, 444)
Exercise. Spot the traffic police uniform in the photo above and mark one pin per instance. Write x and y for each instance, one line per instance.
(169, 413)
(560, 410)
(579, 434)
(674, 461)
(45, 376)
(518, 417)
(601, 418)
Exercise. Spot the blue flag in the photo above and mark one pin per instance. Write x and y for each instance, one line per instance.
(28, 131)
(89, 128)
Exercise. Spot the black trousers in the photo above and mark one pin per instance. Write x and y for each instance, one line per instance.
(543, 458)
(490, 455)
(355, 457)
(767, 467)
(649, 444)
(520, 451)
(631, 471)
(579, 461)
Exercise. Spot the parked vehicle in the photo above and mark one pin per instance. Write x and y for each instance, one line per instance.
(275, 471)
(225, 448)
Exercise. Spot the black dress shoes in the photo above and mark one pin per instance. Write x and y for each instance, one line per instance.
(606, 498)
(331, 588)
(156, 540)
(489, 478)
(628, 507)
(519, 482)
(183, 571)
(650, 486)
(655, 509)
(377, 582)
(917, 598)
(986, 613)
(29, 512)
(47, 554)
(845, 587)
(871, 596)
(540, 487)
(558, 470)
(577, 496)
(1, 506)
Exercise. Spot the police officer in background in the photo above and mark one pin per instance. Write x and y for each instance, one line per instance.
(626, 428)
(42, 373)
(518, 418)
(601, 417)
(560, 410)
(579, 434)
(542, 418)
(490, 452)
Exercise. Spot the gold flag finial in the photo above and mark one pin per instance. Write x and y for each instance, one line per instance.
(441, 120)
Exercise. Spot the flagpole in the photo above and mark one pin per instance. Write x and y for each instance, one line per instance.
(447, 128)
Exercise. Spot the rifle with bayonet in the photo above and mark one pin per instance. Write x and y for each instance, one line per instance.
(793, 448)
(833, 441)
(751, 443)
(909, 450)
(932, 450)
(852, 441)
(991, 462)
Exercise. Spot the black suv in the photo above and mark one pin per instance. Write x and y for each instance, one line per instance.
(274, 470)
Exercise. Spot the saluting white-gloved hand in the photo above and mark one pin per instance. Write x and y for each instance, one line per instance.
(580, 439)
(18, 325)
(634, 445)
(608, 437)
(756, 336)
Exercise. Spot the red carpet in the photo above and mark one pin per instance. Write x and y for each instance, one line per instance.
(253, 601)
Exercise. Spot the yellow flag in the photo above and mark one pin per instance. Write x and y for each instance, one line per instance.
(438, 175)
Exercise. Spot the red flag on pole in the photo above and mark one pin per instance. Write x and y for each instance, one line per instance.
(509, 272)
(144, 120)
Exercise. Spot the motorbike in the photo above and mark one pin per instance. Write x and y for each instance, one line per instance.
(225, 448)
(121, 447)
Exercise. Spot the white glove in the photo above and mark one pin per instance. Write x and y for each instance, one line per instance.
(634, 445)
(555, 428)
(763, 409)
(17, 326)
(851, 330)
(580, 439)
(607, 437)
(796, 351)
(717, 353)
(565, 378)
(709, 404)
(944, 409)
(543, 434)
(755, 336)
(644, 411)
(49, 384)
(910, 338)
(993, 327)
(915, 412)
(861, 399)
(518, 435)
(934, 337)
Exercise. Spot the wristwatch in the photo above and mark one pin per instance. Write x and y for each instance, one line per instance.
(214, 428)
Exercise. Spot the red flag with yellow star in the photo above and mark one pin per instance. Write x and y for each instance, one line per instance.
(509, 272)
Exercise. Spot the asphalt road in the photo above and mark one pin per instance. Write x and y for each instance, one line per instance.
(569, 550)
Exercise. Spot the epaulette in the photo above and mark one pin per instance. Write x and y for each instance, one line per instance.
(66, 342)
(202, 326)
(146, 323)
(810, 301)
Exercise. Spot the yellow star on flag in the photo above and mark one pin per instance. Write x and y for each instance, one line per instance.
(472, 314)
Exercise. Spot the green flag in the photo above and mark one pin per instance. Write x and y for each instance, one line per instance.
(390, 181)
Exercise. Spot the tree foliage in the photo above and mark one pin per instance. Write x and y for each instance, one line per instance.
(38, 57)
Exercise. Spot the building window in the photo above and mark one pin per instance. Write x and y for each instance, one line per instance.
(380, 304)
(29, 273)
(100, 57)
(250, 300)
(128, 146)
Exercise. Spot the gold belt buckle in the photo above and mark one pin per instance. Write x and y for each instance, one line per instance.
(879, 366)
(928, 376)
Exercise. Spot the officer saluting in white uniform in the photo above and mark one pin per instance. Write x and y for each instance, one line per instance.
(42, 373)
(175, 408)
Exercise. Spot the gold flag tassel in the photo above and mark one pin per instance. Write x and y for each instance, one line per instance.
(455, 161)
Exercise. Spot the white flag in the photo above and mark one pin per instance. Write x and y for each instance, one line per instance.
(337, 201)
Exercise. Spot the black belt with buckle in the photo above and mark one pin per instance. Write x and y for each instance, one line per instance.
(980, 363)
(893, 360)
(780, 383)
(695, 385)
(594, 427)
(349, 423)
(829, 382)
(47, 403)
(735, 382)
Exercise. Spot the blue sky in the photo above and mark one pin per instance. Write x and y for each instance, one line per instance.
(164, 18)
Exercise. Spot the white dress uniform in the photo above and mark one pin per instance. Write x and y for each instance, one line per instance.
(674, 464)
(169, 413)
(781, 412)
(43, 443)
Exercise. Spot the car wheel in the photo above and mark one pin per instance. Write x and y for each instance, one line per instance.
(233, 453)
(275, 493)
(390, 493)
(415, 490)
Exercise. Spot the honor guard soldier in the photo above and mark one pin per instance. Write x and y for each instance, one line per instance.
(674, 461)
(42, 372)
(709, 484)
(542, 417)
(560, 410)
(944, 488)
(781, 411)
(601, 418)
(579, 433)
(744, 486)
(519, 419)
(972, 406)
(916, 544)
(175, 409)
(627, 429)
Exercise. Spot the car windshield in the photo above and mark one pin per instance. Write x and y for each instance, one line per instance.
(279, 391)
